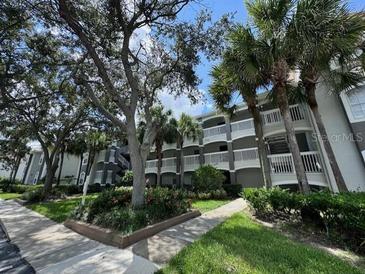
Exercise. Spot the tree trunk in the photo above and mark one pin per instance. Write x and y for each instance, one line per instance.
(61, 167)
(260, 143)
(312, 102)
(138, 161)
(15, 171)
(50, 173)
(80, 167)
(182, 165)
(293, 145)
(159, 161)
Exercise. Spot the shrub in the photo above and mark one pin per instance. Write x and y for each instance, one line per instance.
(233, 190)
(94, 188)
(109, 199)
(163, 203)
(343, 215)
(127, 179)
(36, 195)
(207, 178)
(19, 188)
(125, 220)
(218, 194)
(69, 189)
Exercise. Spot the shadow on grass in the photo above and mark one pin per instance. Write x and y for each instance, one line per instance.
(241, 246)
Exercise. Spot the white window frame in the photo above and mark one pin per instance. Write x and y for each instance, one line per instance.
(345, 96)
(85, 159)
(41, 159)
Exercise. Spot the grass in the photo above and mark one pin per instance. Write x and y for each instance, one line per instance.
(8, 196)
(58, 211)
(207, 205)
(240, 245)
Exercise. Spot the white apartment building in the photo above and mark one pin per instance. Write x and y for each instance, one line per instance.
(230, 144)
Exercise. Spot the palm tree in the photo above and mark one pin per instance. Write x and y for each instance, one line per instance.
(96, 142)
(273, 21)
(232, 75)
(185, 127)
(327, 31)
(165, 133)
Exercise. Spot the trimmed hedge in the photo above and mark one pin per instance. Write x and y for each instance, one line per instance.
(112, 208)
(233, 190)
(342, 215)
(207, 178)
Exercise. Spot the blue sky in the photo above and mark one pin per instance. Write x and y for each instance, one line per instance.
(219, 8)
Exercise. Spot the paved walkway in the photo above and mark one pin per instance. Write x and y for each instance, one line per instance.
(161, 247)
(52, 248)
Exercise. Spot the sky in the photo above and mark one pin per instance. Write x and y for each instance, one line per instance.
(218, 8)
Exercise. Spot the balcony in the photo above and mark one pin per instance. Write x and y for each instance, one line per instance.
(242, 129)
(98, 177)
(191, 162)
(190, 142)
(167, 146)
(215, 134)
(219, 160)
(101, 156)
(246, 158)
(151, 166)
(168, 165)
(283, 171)
(273, 123)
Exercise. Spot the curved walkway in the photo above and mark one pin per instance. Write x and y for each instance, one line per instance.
(52, 248)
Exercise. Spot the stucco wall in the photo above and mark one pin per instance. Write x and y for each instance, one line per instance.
(338, 130)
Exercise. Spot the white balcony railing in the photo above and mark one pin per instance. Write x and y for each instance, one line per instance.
(101, 156)
(190, 142)
(246, 158)
(213, 134)
(273, 116)
(191, 162)
(283, 163)
(217, 159)
(168, 165)
(98, 177)
(167, 146)
(112, 156)
(242, 128)
(151, 166)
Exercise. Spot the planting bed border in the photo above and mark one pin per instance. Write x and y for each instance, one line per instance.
(114, 238)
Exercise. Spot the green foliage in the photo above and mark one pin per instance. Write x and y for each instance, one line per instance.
(125, 220)
(219, 194)
(112, 208)
(233, 190)
(207, 178)
(163, 203)
(127, 179)
(240, 245)
(109, 199)
(343, 214)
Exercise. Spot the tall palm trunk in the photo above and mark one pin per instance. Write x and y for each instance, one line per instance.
(280, 78)
(312, 102)
(260, 142)
(159, 161)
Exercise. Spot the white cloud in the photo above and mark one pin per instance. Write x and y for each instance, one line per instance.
(182, 104)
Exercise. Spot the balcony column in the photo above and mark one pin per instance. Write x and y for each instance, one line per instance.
(105, 166)
(201, 151)
(230, 150)
(178, 157)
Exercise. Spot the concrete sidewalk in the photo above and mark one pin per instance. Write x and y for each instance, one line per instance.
(52, 248)
(161, 247)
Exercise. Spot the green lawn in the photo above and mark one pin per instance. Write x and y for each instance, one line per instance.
(8, 196)
(240, 245)
(207, 205)
(58, 211)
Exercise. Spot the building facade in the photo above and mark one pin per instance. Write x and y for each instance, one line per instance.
(230, 144)
(108, 167)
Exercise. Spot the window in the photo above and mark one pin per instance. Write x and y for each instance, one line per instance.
(85, 159)
(41, 159)
(223, 148)
(357, 103)
(82, 177)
